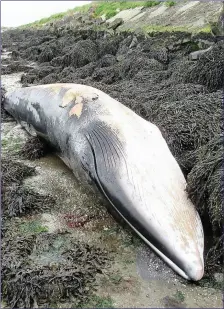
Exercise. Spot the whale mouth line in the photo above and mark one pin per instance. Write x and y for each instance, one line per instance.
(163, 256)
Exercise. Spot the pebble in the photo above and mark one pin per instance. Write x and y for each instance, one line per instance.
(218, 277)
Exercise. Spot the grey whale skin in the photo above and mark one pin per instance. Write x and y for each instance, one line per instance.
(126, 159)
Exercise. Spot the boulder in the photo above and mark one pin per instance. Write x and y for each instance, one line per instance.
(116, 23)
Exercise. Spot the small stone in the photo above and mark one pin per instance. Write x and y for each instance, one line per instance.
(218, 277)
(134, 42)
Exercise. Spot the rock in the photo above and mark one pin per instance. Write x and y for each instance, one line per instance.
(99, 21)
(186, 40)
(120, 58)
(86, 20)
(204, 43)
(218, 277)
(15, 55)
(109, 32)
(197, 54)
(134, 42)
(139, 31)
(217, 28)
(104, 17)
(178, 44)
(116, 23)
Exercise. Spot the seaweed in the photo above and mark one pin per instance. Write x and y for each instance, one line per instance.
(35, 148)
(29, 281)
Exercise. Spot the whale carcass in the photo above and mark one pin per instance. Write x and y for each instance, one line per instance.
(126, 159)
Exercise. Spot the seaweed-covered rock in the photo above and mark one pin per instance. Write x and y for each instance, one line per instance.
(107, 61)
(81, 54)
(19, 201)
(28, 78)
(188, 124)
(16, 199)
(205, 181)
(14, 172)
(108, 45)
(135, 62)
(16, 66)
(46, 54)
(209, 69)
(107, 75)
(49, 79)
(34, 148)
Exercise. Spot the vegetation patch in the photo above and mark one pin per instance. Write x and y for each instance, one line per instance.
(18, 200)
(33, 227)
(205, 186)
(179, 296)
(14, 172)
(170, 3)
(42, 269)
(96, 301)
(34, 148)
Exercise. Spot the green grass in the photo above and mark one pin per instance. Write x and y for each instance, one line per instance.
(33, 227)
(11, 144)
(128, 261)
(115, 278)
(5, 142)
(179, 296)
(206, 29)
(96, 301)
(170, 3)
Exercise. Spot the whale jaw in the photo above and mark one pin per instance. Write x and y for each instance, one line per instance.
(194, 270)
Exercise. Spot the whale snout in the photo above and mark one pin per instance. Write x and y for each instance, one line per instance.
(195, 270)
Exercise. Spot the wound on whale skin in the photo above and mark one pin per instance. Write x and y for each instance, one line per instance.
(127, 160)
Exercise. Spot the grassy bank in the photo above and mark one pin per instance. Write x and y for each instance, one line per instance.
(106, 8)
